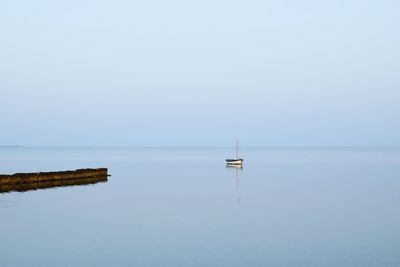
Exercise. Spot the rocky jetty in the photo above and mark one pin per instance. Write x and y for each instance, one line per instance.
(24, 178)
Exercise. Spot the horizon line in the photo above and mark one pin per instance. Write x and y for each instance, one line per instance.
(198, 146)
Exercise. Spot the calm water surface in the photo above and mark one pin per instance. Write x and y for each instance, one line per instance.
(183, 207)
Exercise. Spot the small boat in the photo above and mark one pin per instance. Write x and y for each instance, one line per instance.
(237, 161)
(234, 161)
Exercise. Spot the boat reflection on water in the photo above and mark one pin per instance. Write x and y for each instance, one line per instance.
(52, 184)
(238, 169)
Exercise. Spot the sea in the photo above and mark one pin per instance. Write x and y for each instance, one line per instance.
(183, 207)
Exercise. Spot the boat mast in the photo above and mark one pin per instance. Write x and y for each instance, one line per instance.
(237, 146)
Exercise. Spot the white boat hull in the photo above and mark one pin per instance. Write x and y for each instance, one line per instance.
(234, 161)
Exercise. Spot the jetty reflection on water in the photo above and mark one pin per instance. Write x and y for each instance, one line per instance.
(52, 184)
(238, 169)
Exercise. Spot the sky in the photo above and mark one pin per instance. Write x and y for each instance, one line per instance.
(200, 73)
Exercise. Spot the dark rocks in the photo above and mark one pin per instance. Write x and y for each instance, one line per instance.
(24, 178)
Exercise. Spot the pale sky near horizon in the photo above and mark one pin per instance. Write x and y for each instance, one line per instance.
(149, 73)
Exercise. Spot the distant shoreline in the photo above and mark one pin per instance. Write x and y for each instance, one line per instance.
(214, 147)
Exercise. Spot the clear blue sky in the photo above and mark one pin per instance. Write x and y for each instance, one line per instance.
(272, 73)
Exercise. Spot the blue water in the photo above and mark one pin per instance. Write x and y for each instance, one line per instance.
(183, 207)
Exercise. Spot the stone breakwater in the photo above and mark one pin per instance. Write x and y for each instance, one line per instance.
(40, 177)
(5, 188)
